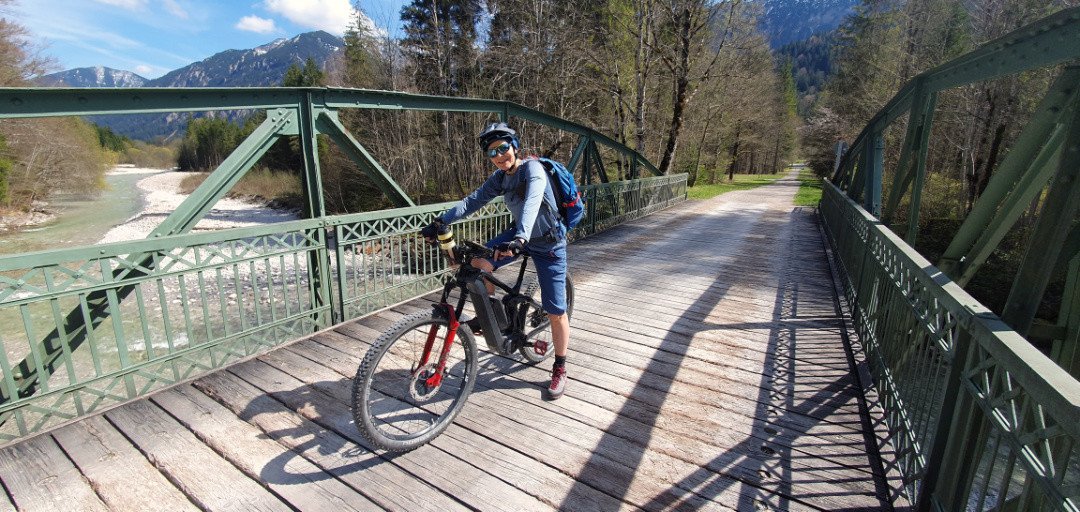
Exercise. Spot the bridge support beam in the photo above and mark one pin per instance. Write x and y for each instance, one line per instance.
(1052, 229)
(1022, 175)
(328, 124)
(912, 164)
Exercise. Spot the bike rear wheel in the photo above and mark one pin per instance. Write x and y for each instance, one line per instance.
(393, 403)
(538, 341)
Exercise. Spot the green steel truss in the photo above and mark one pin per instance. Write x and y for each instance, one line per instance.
(979, 417)
(90, 327)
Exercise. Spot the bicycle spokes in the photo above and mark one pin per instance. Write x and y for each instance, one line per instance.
(405, 394)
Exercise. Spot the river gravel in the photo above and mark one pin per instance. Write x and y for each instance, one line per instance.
(161, 196)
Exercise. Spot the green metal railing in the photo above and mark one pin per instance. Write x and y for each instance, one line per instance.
(86, 328)
(979, 418)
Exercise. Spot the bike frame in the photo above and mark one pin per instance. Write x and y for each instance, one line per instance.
(470, 281)
(487, 315)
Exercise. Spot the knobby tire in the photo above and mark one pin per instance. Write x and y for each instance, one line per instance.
(392, 408)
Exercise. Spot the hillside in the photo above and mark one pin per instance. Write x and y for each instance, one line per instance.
(93, 77)
(788, 21)
(256, 67)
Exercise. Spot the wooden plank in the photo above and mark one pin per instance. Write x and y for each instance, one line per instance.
(737, 399)
(207, 479)
(442, 470)
(597, 404)
(40, 477)
(543, 445)
(122, 477)
(293, 478)
(763, 474)
(674, 444)
(377, 478)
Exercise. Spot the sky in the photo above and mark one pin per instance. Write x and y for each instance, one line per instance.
(153, 37)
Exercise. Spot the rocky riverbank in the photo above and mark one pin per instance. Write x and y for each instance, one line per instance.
(161, 196)
(12, 220)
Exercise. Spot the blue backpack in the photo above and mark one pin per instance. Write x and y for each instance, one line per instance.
(570, 204)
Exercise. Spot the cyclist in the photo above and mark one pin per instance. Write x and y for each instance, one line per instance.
(537, 229)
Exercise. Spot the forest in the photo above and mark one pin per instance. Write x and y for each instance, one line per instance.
(692, 85)
(884, 45)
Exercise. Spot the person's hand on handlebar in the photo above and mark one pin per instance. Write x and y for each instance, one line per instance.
(432, 231)
(509, 249)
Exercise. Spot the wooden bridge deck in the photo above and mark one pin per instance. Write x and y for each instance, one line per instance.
(708, 371)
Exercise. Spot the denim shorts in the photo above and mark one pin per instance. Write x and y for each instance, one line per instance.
(549, 259)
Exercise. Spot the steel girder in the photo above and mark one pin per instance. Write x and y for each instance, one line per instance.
(1039, 153)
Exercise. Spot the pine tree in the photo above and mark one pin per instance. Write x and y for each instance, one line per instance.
(440, 38)
(310, 75)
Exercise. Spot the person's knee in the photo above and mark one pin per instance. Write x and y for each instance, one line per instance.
(482, 264)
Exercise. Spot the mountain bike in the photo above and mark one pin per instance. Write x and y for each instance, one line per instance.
(418, 374)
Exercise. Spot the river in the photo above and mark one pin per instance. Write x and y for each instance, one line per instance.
(80, 220)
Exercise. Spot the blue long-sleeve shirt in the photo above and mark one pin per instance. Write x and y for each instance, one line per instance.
(527, 194)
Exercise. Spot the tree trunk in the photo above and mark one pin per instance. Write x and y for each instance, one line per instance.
(734, 154)
(682, 86)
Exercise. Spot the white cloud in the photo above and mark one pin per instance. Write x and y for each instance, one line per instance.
(256, 24)
(143, 69)
(126, 4)
(333, 16)
(175, 9)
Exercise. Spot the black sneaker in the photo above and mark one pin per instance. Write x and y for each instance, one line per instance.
(558, 383)
(474, 326)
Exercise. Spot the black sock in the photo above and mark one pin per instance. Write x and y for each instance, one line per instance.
(560, 362)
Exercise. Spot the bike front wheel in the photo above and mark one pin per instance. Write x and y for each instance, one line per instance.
(539, 344)
(399, 404)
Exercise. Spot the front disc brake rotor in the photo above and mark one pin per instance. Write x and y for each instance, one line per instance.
(418, 387)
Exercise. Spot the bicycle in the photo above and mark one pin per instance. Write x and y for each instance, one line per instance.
(416, 377)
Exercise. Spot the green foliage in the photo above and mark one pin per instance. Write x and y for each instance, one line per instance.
(363, 67)
(153, 156)
(110, 140)
(809, 193)
(810, 66)
(207, 142)
(307, 76)
(441, 38)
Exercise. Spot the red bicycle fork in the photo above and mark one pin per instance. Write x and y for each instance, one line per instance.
(436, 378)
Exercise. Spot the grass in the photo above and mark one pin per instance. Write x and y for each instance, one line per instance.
(741, 182)
(809, 193)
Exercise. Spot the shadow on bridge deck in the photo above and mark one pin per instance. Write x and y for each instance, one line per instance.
(708, 371)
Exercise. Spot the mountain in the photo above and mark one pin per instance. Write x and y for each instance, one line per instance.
(257, 67)
(93, 77)
(788, 21)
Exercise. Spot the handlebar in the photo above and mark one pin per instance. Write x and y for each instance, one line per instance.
(470, 249)
(461, 254)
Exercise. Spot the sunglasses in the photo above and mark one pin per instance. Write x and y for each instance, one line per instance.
(501, 149)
